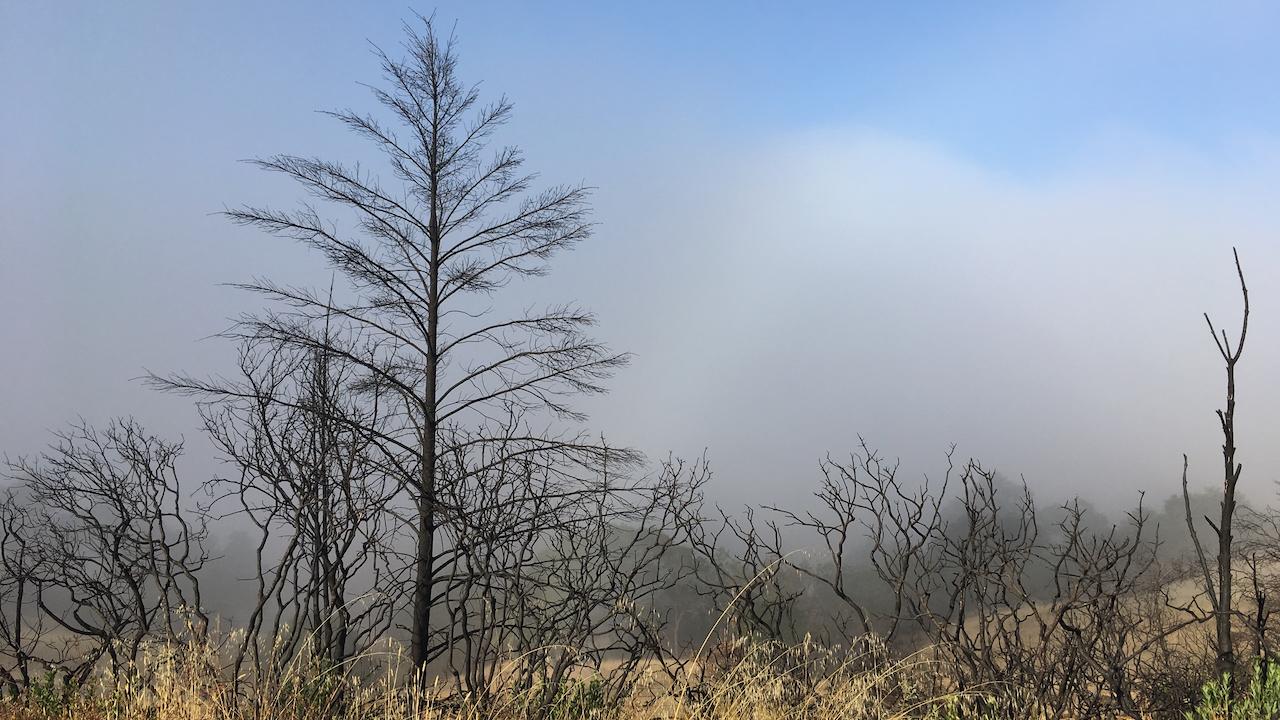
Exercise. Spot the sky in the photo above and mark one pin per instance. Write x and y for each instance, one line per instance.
(995, 225)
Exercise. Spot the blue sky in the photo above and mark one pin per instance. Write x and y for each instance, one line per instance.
(993, 224)
(1025, 87)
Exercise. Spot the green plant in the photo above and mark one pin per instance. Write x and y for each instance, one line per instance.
(50, 697)
(571, 700)
(1259, 701)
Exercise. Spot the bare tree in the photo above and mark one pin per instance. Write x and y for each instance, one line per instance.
(560, 573)
(98, 543)
(23, 626)
(1067, 611)
(1220, 593)
(420, 256)
(741, 569)
(313, 483)
(863, 499)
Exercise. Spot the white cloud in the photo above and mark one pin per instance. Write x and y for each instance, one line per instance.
(848, 282)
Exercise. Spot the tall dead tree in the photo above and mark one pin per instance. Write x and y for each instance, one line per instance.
(1220, 594)
(421, 255)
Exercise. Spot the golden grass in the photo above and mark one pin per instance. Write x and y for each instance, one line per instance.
(768, 682)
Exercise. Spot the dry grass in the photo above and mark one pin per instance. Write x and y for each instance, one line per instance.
(765, 682)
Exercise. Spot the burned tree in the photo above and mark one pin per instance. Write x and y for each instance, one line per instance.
(311, 480)
(741, 568)
(1058, 606)
(97, 543)
(1220, 593)
(421, 255)
(551, 574)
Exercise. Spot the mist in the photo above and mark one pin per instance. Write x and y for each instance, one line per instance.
(785, 285)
